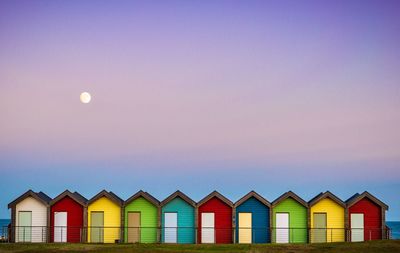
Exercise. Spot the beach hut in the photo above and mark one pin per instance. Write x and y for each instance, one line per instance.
(326, 218)
(29, 217)
(141, 218)
(68, 217)
(104, 218)
(252, 216)
(178, 219)
(214, 214)
(289, 219)
(365, 218)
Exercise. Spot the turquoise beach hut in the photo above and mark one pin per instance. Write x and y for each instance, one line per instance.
(178, 219)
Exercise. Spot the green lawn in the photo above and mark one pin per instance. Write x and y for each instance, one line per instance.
(365, 247)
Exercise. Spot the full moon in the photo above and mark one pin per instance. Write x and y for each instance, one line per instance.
(85, 97)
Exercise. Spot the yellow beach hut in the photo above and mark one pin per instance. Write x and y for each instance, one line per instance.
(104, 218)
(326, 218)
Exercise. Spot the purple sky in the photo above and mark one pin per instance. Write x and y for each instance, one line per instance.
(200, 95)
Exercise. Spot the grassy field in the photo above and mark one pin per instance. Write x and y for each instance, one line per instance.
(365, 247)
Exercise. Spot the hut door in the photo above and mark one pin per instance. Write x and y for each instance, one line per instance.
(133, 227)
(171, 227)
(245, 227)
(282, 228)
(357, 227)
(319, 231)
(207, 228)
(24, 229)
(97, 227)
(60, 226)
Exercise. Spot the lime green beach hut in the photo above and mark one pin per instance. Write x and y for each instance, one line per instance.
(289, 219)
(141, 218)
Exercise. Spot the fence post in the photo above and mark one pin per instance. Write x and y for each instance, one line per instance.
(269, 232)
(291, 234)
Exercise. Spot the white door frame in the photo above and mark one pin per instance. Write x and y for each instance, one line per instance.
(60, 226)
(282, 227)
(357, 227)
(207, 227)
(245, 233)
(171, 227)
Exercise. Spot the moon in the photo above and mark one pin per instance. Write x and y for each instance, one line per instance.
(85, 97)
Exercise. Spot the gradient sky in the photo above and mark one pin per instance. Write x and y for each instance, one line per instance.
(200, 95)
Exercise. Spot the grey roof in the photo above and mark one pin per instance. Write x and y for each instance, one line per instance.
(116, 196)
(324, 195)
(40, 196)
(252, 194)
(75, 196)
(78, 195)
(178, 194)
(292, 195)
(352, 197)
(357, 197)
(44, 196)
(216, 195)
(144, 195)
(110, 195)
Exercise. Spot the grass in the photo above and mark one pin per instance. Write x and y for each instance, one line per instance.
(365, 247)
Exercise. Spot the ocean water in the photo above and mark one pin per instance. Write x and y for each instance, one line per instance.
(3, 226)
(395, 227)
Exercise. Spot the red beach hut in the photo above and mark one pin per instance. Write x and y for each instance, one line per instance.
(365, 218)
(68, 217)
(214, 214)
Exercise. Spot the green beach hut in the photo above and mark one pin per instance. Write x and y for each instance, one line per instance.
(141, 218)
(289, 219)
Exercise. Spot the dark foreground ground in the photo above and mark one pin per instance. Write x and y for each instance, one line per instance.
(365, 247)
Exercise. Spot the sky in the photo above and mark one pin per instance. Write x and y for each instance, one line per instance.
(199, 96)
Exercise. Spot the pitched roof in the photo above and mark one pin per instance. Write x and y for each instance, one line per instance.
(255, 195)
(144, 195)
(44, 196)
(178, 194)
(110, 195)
(75, 196)
(292, 195)
(352, 197)
(357, 197)
(217, 195)
(40, 196)
(116, 197)
(324, 195)
(78, 195)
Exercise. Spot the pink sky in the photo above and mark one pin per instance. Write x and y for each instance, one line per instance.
(270, 91)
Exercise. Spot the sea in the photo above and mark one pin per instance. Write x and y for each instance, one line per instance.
(394, 226)
(3, 226)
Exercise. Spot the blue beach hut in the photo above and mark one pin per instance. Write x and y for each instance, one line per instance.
(252, 214)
